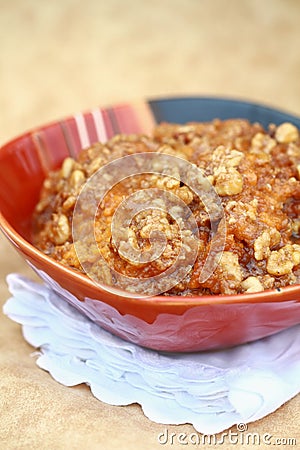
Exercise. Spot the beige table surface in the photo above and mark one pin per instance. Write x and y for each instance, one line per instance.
(59, 57)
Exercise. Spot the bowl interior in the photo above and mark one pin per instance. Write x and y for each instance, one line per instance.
(25, 161)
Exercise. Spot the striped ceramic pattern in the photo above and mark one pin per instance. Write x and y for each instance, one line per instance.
(82, 130)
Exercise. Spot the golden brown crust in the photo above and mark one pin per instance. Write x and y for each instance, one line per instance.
(255, 173)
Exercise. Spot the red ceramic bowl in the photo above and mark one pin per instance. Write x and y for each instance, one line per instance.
(161, 323)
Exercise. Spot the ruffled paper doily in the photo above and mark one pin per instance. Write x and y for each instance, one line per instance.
(211, 390)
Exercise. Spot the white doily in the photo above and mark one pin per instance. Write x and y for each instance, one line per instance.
(211, 390)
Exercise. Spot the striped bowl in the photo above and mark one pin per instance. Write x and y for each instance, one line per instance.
(161, 323)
